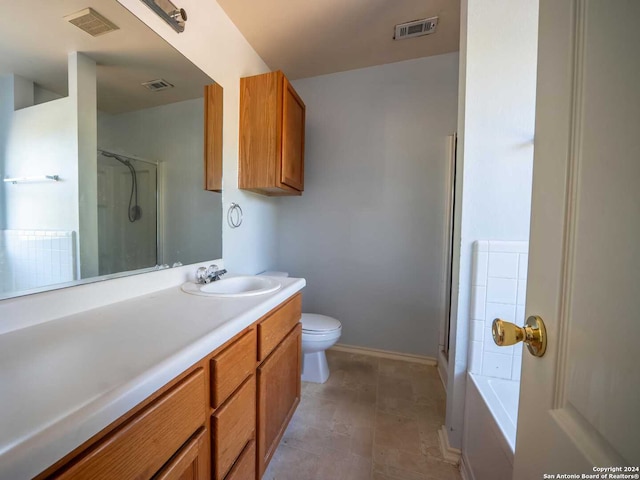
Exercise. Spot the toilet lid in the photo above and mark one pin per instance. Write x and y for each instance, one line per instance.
(312, 322)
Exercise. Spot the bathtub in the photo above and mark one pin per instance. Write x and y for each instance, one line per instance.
(489, 438)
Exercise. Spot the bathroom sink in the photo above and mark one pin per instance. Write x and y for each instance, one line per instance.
(240, 286)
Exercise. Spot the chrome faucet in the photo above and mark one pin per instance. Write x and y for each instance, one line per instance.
(208, 275)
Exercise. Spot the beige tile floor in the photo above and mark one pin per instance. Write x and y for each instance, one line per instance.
(374, 419)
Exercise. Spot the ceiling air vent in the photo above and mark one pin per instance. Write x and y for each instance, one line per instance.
(415, 28)
(157, 85)
(91, 22)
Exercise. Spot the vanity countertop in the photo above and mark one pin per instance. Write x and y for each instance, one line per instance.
(63, 381)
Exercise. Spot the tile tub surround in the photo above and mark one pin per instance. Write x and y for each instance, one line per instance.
(36, 258)
(374, 419)
(499, 287)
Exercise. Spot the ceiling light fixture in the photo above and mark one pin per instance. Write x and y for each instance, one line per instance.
(174, 16)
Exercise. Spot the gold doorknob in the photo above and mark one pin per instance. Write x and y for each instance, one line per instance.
(534, 334)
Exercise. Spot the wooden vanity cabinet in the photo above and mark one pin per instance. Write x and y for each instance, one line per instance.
(278, 394)
(245, 466)
(272, 126)
(151, 438)
(232, 366)
(233, 427)
(221, 419)
(190, 462)
(233, 398)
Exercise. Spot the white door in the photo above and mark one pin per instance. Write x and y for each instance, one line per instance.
(580, 403)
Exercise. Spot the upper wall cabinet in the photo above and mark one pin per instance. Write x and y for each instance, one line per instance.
(213, 137)
(271, 136)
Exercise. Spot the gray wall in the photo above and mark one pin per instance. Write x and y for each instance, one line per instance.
(173, 136)
(368, 233)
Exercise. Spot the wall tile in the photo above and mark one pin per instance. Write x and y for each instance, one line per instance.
(522, 292)
(502, 290)
(478, 301)
(34, 258)
(475, 365)
(508, 247)
(504, 265)
(500, 310)
(480, 246)
(518, 349)
(477, 330)
(498, 291)
(523, 263)
(497, 365)
(516, 368)
(480, 269)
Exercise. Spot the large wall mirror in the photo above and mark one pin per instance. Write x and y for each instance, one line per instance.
(101, 148)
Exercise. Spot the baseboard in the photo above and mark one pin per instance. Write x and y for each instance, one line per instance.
(449, 454)
(465, 471)
(443, 365)
(407, 357)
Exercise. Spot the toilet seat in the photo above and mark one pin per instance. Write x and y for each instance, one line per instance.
(315, 324)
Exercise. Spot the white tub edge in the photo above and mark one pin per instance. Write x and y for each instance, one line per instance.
(495, 407)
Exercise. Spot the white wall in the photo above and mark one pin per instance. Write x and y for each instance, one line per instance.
(82, 92)
(39, 219)
(54, 138)
(215, 45)
(6, 114)
(173, 136)
(42, 140)
(368, 232)
(495, 151)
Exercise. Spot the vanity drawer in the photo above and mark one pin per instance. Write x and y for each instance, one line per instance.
(190, 462)
(231, 367)
(277, 325)
(233, 426)
(245, 467)
(149, 439)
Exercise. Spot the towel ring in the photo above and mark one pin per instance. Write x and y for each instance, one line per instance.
(234, 215)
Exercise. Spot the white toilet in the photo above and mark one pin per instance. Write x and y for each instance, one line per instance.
(319, 332)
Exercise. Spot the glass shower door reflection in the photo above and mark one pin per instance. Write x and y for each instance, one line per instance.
(127, 213)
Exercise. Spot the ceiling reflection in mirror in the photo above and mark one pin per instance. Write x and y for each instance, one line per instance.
(101, 149)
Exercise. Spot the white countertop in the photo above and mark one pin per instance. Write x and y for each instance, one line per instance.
(63, 381)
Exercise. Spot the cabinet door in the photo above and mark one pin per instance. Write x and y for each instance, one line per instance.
(213, 137)
(278, 394)
(293, 112)
(190, 463)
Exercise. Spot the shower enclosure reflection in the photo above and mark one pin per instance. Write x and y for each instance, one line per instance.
(127, 213)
